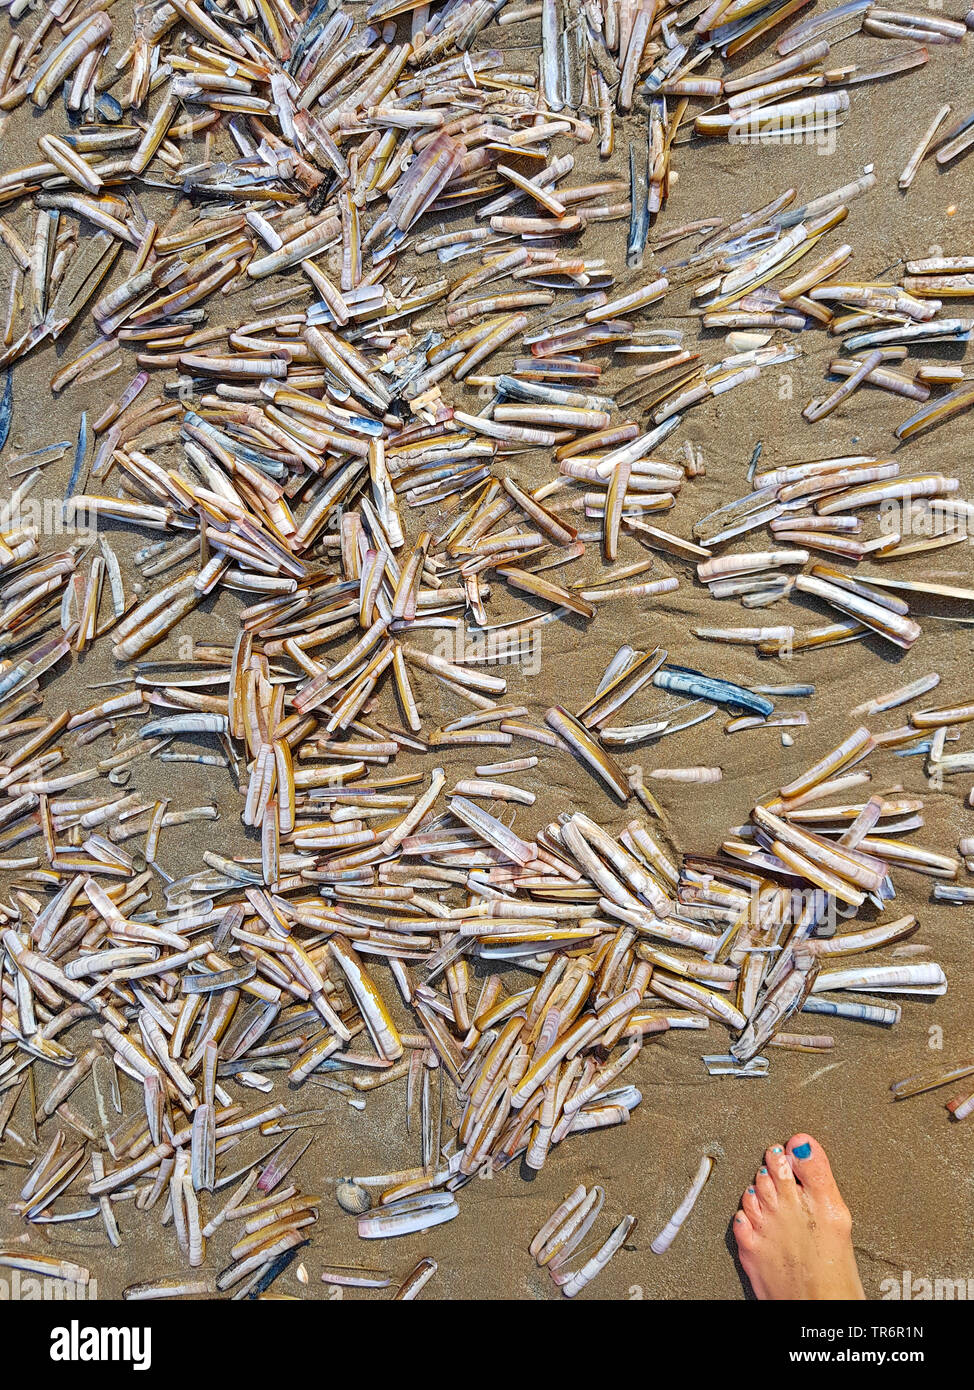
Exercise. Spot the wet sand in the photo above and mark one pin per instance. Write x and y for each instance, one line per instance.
(904, 1169)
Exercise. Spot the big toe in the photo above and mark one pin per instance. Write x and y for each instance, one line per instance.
(810, 1164)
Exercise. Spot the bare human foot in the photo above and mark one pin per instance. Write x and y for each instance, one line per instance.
(794, 1232)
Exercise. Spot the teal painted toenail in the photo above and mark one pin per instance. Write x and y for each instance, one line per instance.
(777, 1149)
(762, 1170)
(750, 1189)
(803, 1151)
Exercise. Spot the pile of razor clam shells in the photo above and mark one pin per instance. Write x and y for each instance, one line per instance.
(345, 468)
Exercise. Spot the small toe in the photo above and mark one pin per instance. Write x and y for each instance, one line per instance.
(752, 1207)
(765, 1189)
(744, 1233)
(748, 1240)
(780, 1170)
(808, 1162)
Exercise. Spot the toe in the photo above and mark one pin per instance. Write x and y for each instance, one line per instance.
(748, 1240)
(744, 1233)
(817, 1185)
(808, 1162)
(765, 1189)
(780, 1171)
(752, 1207)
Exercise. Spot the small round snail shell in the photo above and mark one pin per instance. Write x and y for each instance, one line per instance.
(352, 1198)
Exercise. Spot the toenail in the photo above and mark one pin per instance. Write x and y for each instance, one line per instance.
(777, 1149)
(803, 1151)
(750, 1189)
(762, 1169)
(738, 1219)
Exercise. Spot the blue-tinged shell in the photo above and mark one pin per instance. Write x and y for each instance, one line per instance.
(109, 108)
(683, 680)
(79, 456)
(6, 406)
